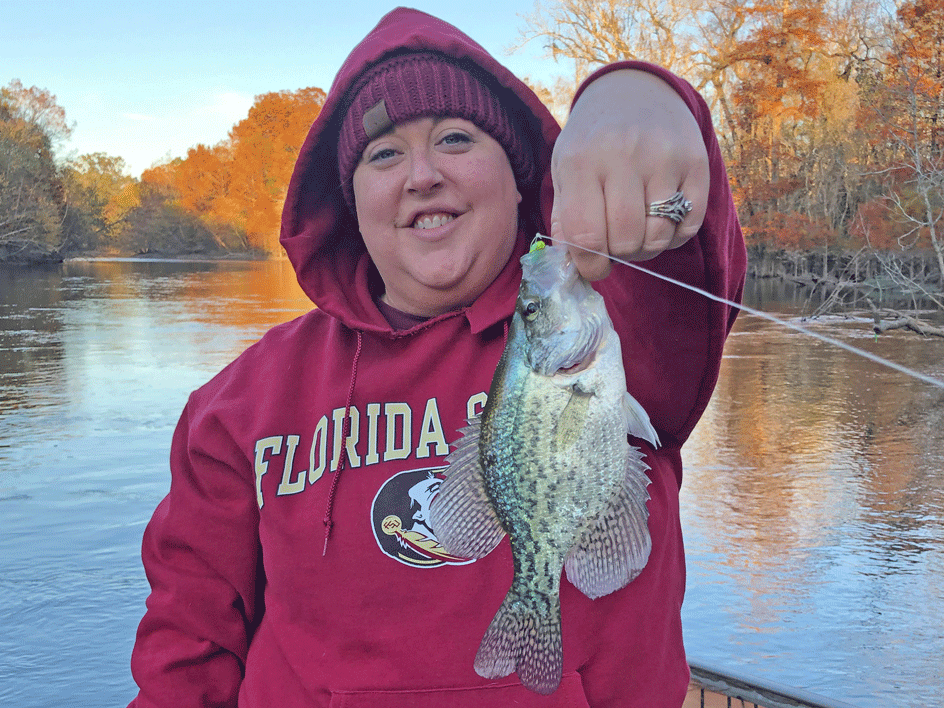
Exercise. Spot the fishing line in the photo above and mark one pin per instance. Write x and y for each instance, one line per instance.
(938, 383)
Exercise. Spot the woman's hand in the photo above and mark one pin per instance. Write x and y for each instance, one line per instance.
(630, 140)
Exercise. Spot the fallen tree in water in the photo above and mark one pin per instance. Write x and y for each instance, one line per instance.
(900, 291)
(900, 321)
(885, 320)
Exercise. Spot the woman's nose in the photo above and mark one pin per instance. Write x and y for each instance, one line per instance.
(424, 174)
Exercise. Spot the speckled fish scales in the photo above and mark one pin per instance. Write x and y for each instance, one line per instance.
(548, 463)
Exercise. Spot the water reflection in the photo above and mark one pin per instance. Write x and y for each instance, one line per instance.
(814, 513)
(88, 318)
(96, 362)
(30, 345)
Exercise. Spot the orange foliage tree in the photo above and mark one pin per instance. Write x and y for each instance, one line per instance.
(264, 146)
(904, 121)
(785, 78)
(235, 189)
(775, 106)
(161, 223)
(917, 60)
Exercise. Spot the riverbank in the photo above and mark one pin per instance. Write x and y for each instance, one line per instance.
(15, 252)
(812, 267)
(27, 252)
(763, 261)
(9, 256)
(171, 256)
(850, 278)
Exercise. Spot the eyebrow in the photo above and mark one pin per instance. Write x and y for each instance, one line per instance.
(393, 126)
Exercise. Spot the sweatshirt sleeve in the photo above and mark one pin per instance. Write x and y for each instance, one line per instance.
(201, 555)
(673, 337)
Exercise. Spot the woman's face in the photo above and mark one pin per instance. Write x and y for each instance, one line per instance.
(437, 207)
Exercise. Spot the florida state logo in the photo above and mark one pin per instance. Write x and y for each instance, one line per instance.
(400, 516)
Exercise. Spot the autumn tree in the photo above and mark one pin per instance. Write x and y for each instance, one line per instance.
(235, 189)
(38, 108)
(776, 102)
(264, 147)
(774, 73)
(159, 223)
(592, 33)
(32, 207)
(901, 116)
(201, 185)
(557, 99)
(916, 86)
(917, 63)
(99, 196)
(228, 197)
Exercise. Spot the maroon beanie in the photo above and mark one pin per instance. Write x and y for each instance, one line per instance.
(424, 84)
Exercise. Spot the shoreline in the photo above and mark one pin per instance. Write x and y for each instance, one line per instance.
(58, 258)
(169, 257)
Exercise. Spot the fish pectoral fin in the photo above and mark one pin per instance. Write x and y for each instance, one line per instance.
(572, 420)
(615, 548)
(637, 421)
(461, 514)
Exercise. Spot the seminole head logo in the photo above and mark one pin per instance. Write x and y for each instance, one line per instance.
(400, 516)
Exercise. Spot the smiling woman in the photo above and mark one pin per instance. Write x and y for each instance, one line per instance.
(279, 578)
(436, 160)
(437, 205)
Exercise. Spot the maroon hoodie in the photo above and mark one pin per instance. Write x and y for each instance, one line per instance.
(293, 562)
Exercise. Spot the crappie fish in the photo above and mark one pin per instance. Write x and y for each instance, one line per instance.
(548, 463)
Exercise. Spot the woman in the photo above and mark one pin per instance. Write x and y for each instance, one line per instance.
(292, 562)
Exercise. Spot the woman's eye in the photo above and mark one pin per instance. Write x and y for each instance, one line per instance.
(456, 139)
(382, 154)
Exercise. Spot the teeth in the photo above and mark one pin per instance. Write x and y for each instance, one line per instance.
(431, 222)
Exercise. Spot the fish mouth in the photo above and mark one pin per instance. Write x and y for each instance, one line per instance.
(568, 353)
(581, 365)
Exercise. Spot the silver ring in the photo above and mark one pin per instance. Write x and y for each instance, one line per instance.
(675, 208)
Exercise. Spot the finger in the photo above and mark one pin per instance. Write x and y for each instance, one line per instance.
(660, 230)
(696, 188)
(579, 216)
(625, 214)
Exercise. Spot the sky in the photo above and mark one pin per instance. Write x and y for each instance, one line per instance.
(147, 81)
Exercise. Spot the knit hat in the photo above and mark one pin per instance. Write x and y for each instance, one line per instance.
(424, 84)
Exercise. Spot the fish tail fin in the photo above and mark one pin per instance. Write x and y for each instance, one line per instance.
(524, 636)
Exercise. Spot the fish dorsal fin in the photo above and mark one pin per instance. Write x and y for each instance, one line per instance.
(637, 421)
(461, 514)
(615, 547)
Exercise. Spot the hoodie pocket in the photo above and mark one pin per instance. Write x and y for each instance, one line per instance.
(568, 695)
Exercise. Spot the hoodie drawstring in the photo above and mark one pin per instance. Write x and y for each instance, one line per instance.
(345, 433)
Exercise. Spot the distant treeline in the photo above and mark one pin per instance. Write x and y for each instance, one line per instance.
(830, 116)
(216, 200)
(830, 113)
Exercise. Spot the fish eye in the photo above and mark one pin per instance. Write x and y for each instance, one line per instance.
(531, 310)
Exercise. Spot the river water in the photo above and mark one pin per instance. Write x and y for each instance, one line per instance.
(813, 505)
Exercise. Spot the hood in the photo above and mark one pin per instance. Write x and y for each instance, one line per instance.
(319, 233)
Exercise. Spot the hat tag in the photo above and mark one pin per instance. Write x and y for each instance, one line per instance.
(376, 121)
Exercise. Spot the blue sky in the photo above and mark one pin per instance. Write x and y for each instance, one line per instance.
(146, 81)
